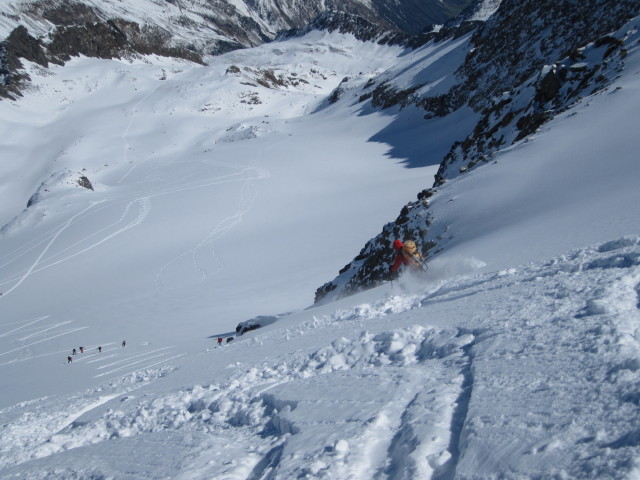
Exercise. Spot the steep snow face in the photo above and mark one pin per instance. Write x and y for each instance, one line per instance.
(586, 161)
(511, 117)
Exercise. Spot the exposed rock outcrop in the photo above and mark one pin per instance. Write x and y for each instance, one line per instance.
(371, 266)
(18, 45)
(521, 111)
(110, 39)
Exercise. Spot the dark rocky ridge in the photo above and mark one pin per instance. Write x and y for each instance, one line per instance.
(110, 39)
(18, 45)
(517, 41)
(537, 34)
(522, 111)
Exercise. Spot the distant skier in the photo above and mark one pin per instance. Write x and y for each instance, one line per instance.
(81, 349)
(99, 349)
(124, 343)
(69, 359)
(219, 341)
(73, 352)
(407, 256)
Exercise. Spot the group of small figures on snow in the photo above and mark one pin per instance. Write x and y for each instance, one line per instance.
(99, 349)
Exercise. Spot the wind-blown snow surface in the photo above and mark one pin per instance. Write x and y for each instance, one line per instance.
(508, 361)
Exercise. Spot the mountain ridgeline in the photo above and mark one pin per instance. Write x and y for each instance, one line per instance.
(530, 61)
(53, 31)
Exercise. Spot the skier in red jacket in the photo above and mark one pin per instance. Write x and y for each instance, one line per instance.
(407, 255)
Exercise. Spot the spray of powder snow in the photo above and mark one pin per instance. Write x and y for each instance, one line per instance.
(438, 269)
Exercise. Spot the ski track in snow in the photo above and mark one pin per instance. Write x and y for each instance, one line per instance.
(48, 337)
(125, 134)
(24, 326)
(247, 197)
(45, 250)
(246, 201)
(121, 359)
(44, 263)
(244, 175)
(52, 330)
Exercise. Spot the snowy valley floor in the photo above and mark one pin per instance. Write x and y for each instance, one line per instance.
(528, 372)
(217, 200)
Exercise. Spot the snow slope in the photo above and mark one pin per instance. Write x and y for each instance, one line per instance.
(217, 199)
(199, 218)
(448, 381)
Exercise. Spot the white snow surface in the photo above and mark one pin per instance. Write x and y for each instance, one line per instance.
(485, 9)
(217, 199)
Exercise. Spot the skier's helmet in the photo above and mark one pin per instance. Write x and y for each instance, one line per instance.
(410, 246)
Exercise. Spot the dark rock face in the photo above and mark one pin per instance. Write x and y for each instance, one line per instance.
(521, 111)
(523, 36)
(18, 45)
(110, 39)
(35, 198)
(85, 183)
(99, 40)
(65, 14)
(22, 45)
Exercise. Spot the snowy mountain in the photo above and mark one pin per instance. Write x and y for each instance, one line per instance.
(151, 203)
(56, 30)
(505, 92)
